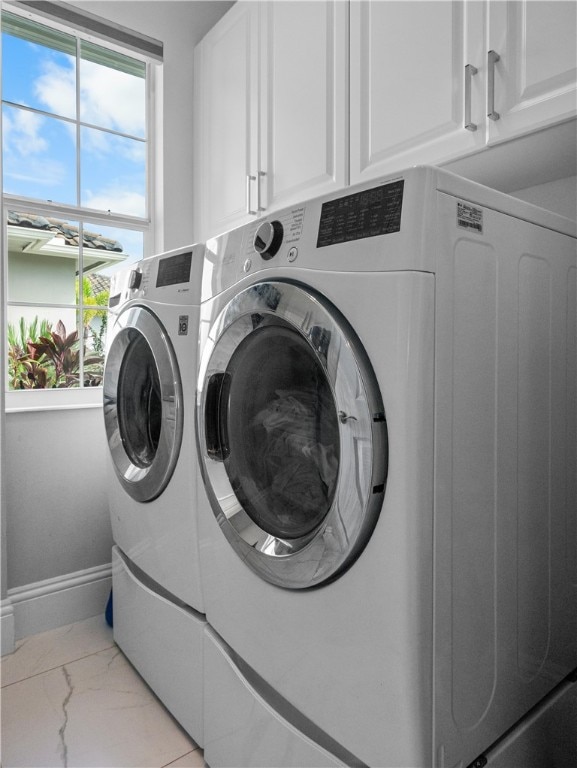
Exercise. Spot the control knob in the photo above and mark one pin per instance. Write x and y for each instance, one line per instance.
(268, 239)
(135, 280)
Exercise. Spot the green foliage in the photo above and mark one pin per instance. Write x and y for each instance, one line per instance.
(40, 357)
(25, 370)
(19, 336)
(52, 360)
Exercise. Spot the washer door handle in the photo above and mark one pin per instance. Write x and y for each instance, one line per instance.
(214, 429)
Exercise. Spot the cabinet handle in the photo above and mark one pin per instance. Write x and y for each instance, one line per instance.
(470, 70)
(258, 205)
(492, 59)
(249, 178)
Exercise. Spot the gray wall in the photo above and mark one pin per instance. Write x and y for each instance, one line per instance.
(559, 196)
(54, 509)
(56, 494)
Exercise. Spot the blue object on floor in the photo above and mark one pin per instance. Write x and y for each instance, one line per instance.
(108, 613)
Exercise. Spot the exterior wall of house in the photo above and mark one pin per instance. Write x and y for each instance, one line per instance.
(42, 278)
(37, 277)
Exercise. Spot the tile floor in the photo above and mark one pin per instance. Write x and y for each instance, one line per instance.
(70, 698)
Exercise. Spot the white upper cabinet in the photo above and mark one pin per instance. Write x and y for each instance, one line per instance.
(535, 76)
(226, 91)
(435, 81)
(271, 89)
(412, 94)
(296, 99)
(303, 100)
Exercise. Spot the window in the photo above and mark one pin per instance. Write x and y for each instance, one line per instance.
(76, 180)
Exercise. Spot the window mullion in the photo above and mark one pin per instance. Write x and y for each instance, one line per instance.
(78, 171)
(80, 301)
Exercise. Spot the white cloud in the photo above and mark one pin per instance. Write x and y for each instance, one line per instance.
(56, 87)
(108, 98)
(22, 133)
(112, 99)
(115, 199)
(101, 143)
(47, 173)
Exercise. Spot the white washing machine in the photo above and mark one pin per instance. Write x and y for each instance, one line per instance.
(149, 396)
(386, 415)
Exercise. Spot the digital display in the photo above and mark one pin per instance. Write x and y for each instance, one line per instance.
(364, 214)
(174, 269)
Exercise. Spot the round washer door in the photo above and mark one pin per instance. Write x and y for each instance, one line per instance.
(142, 404)
(292, 434)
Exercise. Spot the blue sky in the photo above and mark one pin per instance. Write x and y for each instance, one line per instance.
(40, 150)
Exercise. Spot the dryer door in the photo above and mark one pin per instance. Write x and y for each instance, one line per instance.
(292, 434)
(142, 403)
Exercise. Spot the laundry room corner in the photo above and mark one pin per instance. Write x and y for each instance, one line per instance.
(56, 532)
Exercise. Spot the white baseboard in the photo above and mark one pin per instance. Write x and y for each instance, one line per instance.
(59, 601)
(6, 626)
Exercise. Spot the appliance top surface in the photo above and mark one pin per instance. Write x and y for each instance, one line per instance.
(388, 224)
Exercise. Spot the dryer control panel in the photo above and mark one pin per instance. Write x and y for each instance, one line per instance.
(173, 270)
(171, 277)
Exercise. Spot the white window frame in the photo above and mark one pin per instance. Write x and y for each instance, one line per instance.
(150, 225)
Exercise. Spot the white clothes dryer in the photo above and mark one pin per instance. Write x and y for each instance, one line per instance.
(386, 417)
(149, 395)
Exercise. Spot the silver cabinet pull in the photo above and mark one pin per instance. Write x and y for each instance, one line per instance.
(492, 58)
(249, 178)
(470, 70)
(258, 205)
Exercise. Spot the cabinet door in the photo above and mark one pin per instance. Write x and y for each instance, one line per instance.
(303, 100)
(535, 78)
(227, 97)
(408, 83)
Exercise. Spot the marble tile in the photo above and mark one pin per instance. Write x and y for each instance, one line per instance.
(93, 712)
(193, 759)
(48, 650)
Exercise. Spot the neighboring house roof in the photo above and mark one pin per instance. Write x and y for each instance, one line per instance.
(98, 283)
(63, 230)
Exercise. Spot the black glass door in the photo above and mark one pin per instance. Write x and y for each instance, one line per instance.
(280, 431)
(139, 402)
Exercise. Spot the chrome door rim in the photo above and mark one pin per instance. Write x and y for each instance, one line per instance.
(333, 546)
(144, 483)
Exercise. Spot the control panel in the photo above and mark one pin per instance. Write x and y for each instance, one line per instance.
(369, 213)
(171, 273)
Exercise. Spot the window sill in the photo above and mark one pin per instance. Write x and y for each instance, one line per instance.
(53, 399)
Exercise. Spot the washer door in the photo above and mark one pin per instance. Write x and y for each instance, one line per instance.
(142, 404)
(292, 434)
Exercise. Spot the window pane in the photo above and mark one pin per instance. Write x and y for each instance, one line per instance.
(43, 348)
(131, 243)
(113, 173)
(39, 66)
(112, 90)
(39, 156)
(94, 324)
(42, 259)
